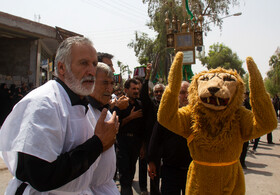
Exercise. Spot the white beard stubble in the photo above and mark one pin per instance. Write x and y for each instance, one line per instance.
(77, 86)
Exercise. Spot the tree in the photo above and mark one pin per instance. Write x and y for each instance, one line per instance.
(272, 82)
(123, 68)
(246, 81)
(270, 87)
(155, 50)
(220, 55)
(274, 62)
(211, 10)
(146, 49)
(143, 47)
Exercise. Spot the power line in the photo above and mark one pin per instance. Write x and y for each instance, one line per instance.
(128, 10)
(130, 7)
(114, 36)
(116, 30)
(116, 11)
(116, 33)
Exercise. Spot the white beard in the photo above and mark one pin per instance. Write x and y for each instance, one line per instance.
(77, 86)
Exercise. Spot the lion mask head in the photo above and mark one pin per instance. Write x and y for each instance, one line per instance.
(217, 89)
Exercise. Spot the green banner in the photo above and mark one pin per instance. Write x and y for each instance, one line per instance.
(187, 72)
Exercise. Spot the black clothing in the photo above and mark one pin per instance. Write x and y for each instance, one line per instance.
(173, 180)
(143, 174)
(276, 104)
(246, 103)
(154, 183)
(5, 103)
(243, 154)
(133, 127)
(173, 149)
(150, 108)
(269, 138)
(129, 141)
(128, 152)
(256, 143)
(43, 175)
(95, 104)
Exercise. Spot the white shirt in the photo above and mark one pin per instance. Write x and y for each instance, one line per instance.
(45, 124)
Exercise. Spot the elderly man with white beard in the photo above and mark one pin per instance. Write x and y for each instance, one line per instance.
(51, 142)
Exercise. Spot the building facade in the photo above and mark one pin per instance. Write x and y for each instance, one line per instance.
(27, 50)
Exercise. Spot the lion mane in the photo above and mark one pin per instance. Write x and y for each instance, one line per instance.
(206, 123)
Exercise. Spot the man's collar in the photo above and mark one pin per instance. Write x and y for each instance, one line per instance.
(74, 98)
(95, 104)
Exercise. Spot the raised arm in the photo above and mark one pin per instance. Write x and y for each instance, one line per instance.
(144, 93)
(263, 119)
(169, 116)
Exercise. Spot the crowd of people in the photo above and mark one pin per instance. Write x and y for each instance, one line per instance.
(76, 134)
(11, 95)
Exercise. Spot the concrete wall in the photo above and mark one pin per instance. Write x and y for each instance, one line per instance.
(15, 59)
(33, 62)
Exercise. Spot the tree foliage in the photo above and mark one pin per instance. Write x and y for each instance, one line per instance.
(143, 47)
(123, 68)
(211, 10)
(147, 49)
(246, 81)
(220, 55)
(270, 87)
(272, 82)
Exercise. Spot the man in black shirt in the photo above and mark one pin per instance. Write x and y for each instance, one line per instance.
(174, 152)
(150, 108)
(130, 136)
(243, 154)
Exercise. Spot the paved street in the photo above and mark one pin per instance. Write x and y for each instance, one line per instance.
(262, 175)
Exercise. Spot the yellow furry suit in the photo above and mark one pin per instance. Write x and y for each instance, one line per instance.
(216, 124)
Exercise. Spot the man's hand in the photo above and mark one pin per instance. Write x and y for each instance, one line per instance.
(148, 71)
(106, 131)
(122, 103)
(135, 114)
(152, 170)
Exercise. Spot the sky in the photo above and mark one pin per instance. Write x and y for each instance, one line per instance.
(111, 25)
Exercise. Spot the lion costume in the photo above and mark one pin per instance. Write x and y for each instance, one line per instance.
(216, 124)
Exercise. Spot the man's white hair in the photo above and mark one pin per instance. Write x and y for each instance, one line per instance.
(63, 53)
(102, 67)
(158, 85)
